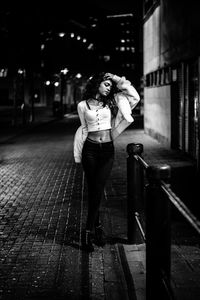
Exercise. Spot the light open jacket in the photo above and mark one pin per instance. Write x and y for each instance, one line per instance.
(119, 124)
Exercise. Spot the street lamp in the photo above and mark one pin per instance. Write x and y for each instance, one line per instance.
(63, 74)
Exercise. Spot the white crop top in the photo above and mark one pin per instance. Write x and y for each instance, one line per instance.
(89, 118)
(94, 119)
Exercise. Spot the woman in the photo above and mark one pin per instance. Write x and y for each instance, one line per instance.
(103, 118)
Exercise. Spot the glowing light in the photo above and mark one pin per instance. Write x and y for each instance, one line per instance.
(56, 83)
(61, 34)
(90, 47)
(106, 57)
(64, 71)
(120, 15)
(20, 71)
(78, 75)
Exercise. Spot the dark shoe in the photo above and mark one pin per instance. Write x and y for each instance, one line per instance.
(100, 238)
(86, 241)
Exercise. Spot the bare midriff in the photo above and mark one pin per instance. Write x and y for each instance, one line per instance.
(102, 136)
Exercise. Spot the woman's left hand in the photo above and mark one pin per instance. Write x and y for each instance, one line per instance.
(112, 77)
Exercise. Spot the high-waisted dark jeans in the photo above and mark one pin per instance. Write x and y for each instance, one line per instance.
(97, 161)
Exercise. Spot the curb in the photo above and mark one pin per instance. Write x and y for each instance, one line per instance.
(132, 259)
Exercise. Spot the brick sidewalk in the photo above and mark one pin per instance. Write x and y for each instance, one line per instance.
(42, 212)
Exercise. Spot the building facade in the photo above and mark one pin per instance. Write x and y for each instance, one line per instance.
(171, 69)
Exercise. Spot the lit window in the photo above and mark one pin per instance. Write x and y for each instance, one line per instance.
(106, 57)
(3, 72)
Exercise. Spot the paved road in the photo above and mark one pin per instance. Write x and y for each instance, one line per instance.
(43, 209)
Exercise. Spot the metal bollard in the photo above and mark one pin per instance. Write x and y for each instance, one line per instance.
(134, 188)
(158, 237)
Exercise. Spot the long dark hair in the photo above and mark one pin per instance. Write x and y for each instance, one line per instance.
(91, 89)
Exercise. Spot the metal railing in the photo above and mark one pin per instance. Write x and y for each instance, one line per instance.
(149, 193)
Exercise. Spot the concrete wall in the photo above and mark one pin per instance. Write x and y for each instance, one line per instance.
(171, 34)
(157, 113)
(157, 108)
(179, 30)
(151, 44)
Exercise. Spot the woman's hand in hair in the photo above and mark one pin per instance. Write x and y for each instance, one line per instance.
(112, 77)
(109, 76)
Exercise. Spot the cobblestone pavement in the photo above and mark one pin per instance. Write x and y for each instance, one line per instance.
(43, 209)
